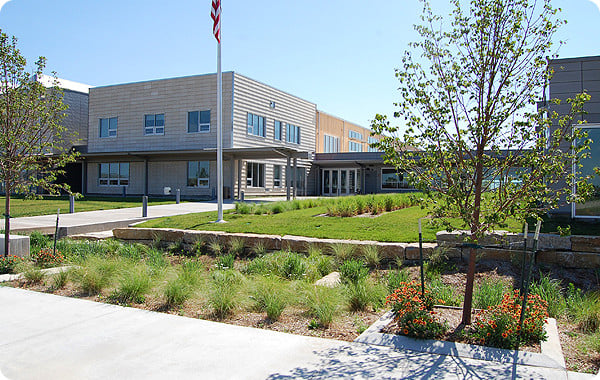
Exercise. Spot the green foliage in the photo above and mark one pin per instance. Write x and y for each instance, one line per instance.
(236, 246)
(31, 274)
(342, 252)
(259, 249)
(60, 279)
(353, 272)
(396, 278)
(225, 261)
(319, 265)
(371, 256)
(216, 248)
(223, 292)
(9, 263)
(442, 293)
(363, 293)
(270, 296)
(176, 247)
(95, 274)
(46, 258)
(488, 293)
(37, 241)
(583, 309)
(293, 266)
(176, 292)
(322, 303)
(550, 290)
(132, 285)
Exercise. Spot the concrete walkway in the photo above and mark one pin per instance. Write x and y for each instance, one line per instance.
(43, 336)
(103, 220)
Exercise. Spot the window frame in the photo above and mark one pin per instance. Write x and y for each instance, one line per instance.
(119, 179)
(401, 184)
(277, 129)
(330, 141)
(292, 133)
(197, 177)
(260, 127)
(199, 124)
(355, 135)
(154, 127)
(357, 144)
(109, 130)
(277, 181)
(259, 169)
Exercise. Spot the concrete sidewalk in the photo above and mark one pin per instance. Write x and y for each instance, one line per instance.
(51, 337)
(103, 220)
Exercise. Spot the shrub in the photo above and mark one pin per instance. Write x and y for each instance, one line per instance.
(260, 265)
(442, 293)
(371, 256)
(225, 261)
(46, 258)
(353, 271)
(319, 265)
(156, 259)
(322, 303)
(191, 272)
(270, 297)
(488, 293)
(293, 266)
(584, 309)
(236, 246)
(550, 290)
(176, 292)
(223, 291)
(242, 208)
(277, 208)
(59, 280)
(498, 326)
(342, 252)
(414, 315)
(388, 203)
(9, 263)
(132, 286)
(396, 278)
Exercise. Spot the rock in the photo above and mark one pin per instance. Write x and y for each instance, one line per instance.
(578, 259)
(411, 251)
(585, 243)
(331, 280)
(391, 251)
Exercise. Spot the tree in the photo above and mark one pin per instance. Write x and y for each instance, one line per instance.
(470, 110)
(32, 138)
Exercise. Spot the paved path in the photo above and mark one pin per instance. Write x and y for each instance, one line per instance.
(102, 220)
(43, 336)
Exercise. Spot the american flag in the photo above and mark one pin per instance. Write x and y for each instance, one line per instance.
(215, 14)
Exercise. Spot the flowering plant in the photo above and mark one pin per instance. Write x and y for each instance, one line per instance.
(9, 262)
(45, 258)
(498, 326)
(414, 315)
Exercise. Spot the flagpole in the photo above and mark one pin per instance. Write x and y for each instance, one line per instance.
(219, 137)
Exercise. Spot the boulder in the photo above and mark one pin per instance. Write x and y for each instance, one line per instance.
(585, 243)
(331, 280)
(411, 252)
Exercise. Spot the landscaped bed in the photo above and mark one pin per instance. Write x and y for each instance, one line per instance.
(275, 290)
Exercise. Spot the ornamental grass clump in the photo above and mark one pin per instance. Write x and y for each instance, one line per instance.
(498, 326)
(414, 315)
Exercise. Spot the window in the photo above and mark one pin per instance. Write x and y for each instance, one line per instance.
(108, 127)
(198, 174)
(276, 175)
(355, 135)
(292, 133)
(372, 140)
(198, 121)
(256, 125)
(154, 124)
(113, 174)
(332, 144)
(277, 130)
(354, 146)
(255, 175)
(391, 179)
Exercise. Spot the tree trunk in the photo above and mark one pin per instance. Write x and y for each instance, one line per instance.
(6, 221)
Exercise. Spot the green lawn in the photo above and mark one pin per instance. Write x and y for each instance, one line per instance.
(400, 225)
(20, 206)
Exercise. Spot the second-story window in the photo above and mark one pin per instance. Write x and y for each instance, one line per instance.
(256, 125)
(373, 140)
(292, 133)
(198, 121)
(277, 130)
(154, 124)
(354, 146)
(331, 144)
(108, 127)
(355, 135)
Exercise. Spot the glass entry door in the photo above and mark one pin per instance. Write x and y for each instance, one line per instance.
(339, 182)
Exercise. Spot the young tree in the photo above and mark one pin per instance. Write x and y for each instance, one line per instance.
(32, 149)
(470, 109)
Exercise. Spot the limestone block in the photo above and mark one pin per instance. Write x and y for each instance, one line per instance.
(391, 250)
(545, 257)
(19, 245)
(454, 238)
(271, 242)
(301, 243)
(496, 254)
(412, 250)
(578, 259)
(192, 236)
(164, 234)
(585, 243)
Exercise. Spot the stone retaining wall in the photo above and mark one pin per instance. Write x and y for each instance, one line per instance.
(389, 251)
(566, 251)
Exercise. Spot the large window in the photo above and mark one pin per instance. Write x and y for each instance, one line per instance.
(391, 179)
(373, 140)
(198, 121)
(292, 133)
(354, 146)
(108, 127)
(255, 175)
(154, 124)
(256, 125)
(277, 176)
(331, 144)
(591, 207)
(355, 135)
(113, 174)
(278, 130)
(198, 174)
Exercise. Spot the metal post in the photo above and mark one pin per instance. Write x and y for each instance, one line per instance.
(56, 231)
(295, 178)
(144, 206)
(421, 258)
(524, 262)
(178, 196)
(71, 204)
(219, 138)
(525, 292)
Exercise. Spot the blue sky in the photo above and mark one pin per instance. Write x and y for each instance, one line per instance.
(339, 54)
